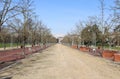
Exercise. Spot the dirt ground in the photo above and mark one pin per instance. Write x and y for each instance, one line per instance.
(61, 62)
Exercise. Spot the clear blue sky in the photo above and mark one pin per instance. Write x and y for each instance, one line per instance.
(62, 15)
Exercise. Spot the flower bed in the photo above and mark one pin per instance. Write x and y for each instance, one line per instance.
(117, 57)
(108, 54)
(74, 46)
(84, 49)
(16, 54)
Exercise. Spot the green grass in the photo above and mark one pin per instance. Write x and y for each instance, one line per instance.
(114, 48)
(8, 45)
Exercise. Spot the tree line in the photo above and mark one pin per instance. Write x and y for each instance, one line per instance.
(19, 24)
(98, 30)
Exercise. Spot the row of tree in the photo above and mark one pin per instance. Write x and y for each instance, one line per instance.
(19, 24)
(98, 30)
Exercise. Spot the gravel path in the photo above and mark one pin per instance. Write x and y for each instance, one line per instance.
(61, 62)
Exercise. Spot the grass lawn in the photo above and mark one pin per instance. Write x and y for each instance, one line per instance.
(9, 45)
(117, 48)
(114, 48)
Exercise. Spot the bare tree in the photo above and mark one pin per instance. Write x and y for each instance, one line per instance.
(26, 10)
(116, 10)
(16, 26)
(67, 39)
(102, 8)
(105, 24)
(7, 11)
(5, 34)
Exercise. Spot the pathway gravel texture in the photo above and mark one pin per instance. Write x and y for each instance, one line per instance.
(62, 62)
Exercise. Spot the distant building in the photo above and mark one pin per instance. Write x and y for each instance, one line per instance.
(60, 39)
